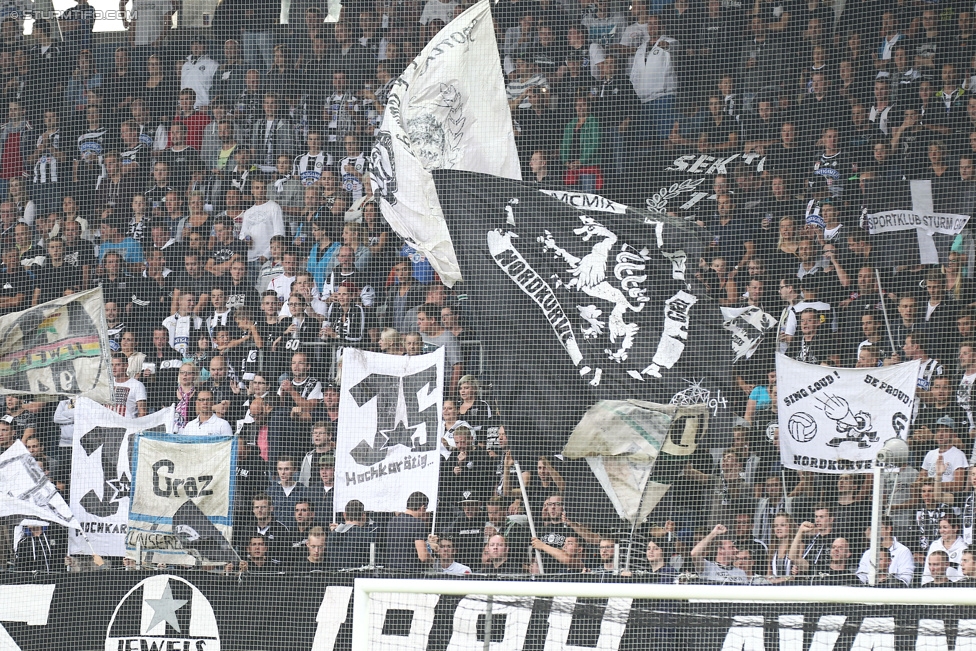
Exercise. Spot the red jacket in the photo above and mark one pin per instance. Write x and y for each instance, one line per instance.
(195, 123)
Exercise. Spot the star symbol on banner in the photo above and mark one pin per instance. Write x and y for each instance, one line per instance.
(164, 609)
(400, 434)
(122, 486)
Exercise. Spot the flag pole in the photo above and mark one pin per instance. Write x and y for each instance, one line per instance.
(884, 310)
(528, 512)
(96, 559)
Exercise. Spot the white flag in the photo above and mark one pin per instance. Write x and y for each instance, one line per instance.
(448, 110)
(747, 326)
(835, 420)
(25, 489)
(182, 495)
(100, 473)
(389, 419)
(57, 348)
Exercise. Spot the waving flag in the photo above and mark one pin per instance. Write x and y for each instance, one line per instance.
(448, 110)
(26, 491)
(583, 299)
(57, 348)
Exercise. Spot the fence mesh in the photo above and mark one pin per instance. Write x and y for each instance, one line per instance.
(531, 295)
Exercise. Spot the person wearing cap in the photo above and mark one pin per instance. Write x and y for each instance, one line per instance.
(320, 488)
(467, 469)
(323, 442)
(349, 543)
(207, 423)
(946, 463)
(467, 529)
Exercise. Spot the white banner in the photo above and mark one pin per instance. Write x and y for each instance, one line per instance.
(900, 220)
(389, 423)
(25, 489)
(100, 473)
(171, 473)
(922, 217)
(835, 420)
(448, 110)
(57, 348)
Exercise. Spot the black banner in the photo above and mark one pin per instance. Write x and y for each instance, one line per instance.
(584, 299)
(195, 611)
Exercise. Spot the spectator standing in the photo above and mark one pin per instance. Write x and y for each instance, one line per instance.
(259, 224)
(406, 537)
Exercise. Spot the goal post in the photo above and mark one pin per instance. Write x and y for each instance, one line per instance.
(730, 618)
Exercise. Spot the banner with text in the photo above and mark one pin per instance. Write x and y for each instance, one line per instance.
(834, 420)
(100, 465)
(181, 508)
(389, 420)
(200, 611)
(58, 347)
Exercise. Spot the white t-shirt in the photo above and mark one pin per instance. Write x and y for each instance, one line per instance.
(214, 426)
(127, 396)
(436, 10)
(281, 285)
(261, 223)
(456, 568)
(719, 574)
(953, 457)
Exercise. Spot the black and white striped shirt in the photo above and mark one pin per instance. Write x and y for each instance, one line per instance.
(351, 326)
(46, 167)
(309, 168)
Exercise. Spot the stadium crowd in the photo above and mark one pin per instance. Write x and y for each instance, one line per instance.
(213, 180)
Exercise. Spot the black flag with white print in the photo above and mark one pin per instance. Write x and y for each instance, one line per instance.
(579, 299)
